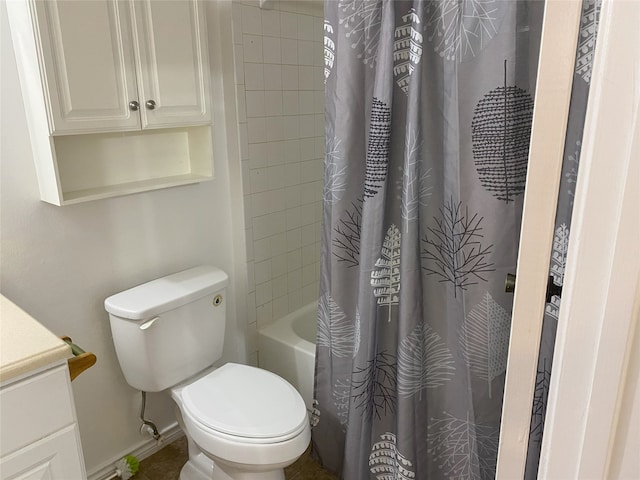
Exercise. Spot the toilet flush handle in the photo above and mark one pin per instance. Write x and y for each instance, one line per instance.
(148, 323)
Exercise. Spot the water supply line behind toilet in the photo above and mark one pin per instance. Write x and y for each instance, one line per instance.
(147, 425)
(128, 466)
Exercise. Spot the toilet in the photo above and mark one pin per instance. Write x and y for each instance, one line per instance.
(241, 422)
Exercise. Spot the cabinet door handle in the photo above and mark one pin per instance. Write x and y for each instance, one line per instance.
(150, 104)
(134, 106)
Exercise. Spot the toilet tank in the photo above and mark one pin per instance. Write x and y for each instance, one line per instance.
(169, 329)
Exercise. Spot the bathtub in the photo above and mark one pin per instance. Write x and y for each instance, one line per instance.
(287, 347)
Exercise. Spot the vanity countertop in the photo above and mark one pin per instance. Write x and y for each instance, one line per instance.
(25, 344)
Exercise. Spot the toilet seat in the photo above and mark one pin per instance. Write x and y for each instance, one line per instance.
(245, 404)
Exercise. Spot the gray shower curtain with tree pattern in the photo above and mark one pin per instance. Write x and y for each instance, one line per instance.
(428, 112)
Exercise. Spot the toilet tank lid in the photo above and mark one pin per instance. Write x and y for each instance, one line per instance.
(166, 293)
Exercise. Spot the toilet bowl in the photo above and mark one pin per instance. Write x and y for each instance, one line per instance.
(248, 421)
(241, 422)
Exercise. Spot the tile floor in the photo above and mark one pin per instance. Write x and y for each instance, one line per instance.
(166, 465)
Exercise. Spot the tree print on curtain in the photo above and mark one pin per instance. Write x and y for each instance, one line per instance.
(464, 450)
(346, 239)
(334, 329)
(407, 49)
(453, 251)
(424, 361)
(558, 262)
(341, 396)
(361, 20)
(460, 29)
(484, 340)
(500, 132)
(314, 414)
(356, 334)
(416, 189)
(387, 463)
(572, 161)
(540, 395)
(329, 50)
(378, 148)
(335, 172)
(587, 38)
(373, 387)
(385, 278)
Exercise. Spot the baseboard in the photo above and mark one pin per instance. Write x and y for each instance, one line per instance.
(142, 450)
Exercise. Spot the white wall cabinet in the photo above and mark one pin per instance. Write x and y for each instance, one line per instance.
(110, 65)
(40, 438)
(117, 94)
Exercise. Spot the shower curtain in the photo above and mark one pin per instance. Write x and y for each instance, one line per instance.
(428, 116)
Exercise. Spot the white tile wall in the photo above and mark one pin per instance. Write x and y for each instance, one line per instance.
(280, 88)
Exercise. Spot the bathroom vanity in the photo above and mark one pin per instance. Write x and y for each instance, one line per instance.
(39, 435)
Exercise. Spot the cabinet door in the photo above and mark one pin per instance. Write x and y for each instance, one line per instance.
(55, 457)
(89, 69)
(173, 70)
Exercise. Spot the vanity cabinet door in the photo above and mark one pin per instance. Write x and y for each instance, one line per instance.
(39, 437)
(89, 73)
(54, 457)
(173, 67)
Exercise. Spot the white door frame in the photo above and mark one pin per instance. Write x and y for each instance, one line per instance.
(550, 114)
(597, 320)
(594, 359)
